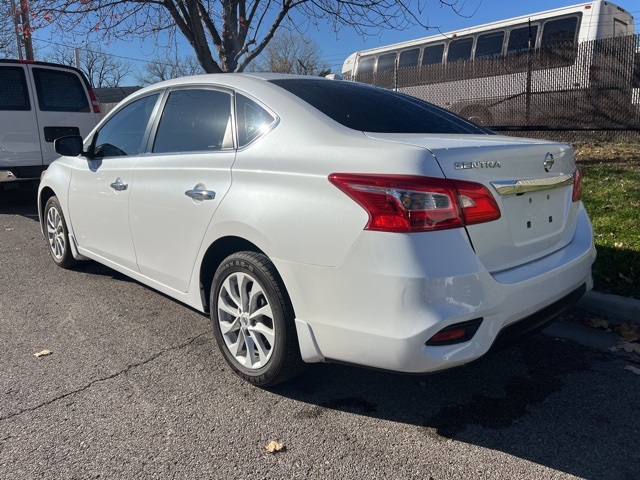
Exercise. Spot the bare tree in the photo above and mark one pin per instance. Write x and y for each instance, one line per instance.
(236, 30)
(164, 69)
(290, 52)
(102, 70)
(8, 43)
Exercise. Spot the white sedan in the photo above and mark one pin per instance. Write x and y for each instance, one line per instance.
(320, 220)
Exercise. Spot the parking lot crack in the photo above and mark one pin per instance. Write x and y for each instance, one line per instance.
(123, 371)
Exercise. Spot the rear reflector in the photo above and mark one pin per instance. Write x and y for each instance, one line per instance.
(456, 333)
(577, 185)
(405, 203)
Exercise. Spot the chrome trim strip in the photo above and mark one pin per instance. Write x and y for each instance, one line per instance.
(514, 187)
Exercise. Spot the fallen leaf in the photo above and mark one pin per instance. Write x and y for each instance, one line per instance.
(626, 279)
(631, 336)
(629, 347)
(43, 353)
(597, 323)
(633, 369)
(274, 447)
(618, 245)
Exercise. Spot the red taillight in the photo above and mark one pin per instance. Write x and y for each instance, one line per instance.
(404, 203)
(577, 186)
(94, 101)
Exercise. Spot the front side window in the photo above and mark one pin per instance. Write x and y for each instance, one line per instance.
(59, 91)
(124, 133)
(195, 120)
(253, 120)
(13, 89)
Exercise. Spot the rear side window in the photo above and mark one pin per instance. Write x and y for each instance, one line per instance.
(253, 120)
(370, 109)
(386, 62)
(59, 91)
(520, 38)
(490, 45)
(409, 58)
(124, 133)
(195, 120)
(559, 31)
(460, 50)
(433, 55)
(13, 89)
(365, 65)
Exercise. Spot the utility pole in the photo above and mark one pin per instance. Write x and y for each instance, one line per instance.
(16, 25)
(26, 30)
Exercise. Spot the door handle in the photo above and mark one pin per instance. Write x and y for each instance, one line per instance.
(198, 194)
(119, 185)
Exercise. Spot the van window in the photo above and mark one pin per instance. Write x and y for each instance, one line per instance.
(460, 50)
(386, 62)
(195, 121)
(489, 45)
(409, 58)
(13, 89)
(59, 91)
(519, 39)
(124, 133)
(365, 65)
(559, 31)
(433, 54)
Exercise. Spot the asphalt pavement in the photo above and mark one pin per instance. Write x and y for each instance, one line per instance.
(134, 387)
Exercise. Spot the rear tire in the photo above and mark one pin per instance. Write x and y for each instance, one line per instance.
(253, 320)
(57, 234)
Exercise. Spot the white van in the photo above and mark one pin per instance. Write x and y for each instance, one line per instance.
(40, 102)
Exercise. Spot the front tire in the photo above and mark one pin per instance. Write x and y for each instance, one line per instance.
(253, 320)
(57, 234)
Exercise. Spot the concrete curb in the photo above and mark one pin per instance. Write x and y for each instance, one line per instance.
(612, 307)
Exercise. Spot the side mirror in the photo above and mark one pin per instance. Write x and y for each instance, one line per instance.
(70, 146)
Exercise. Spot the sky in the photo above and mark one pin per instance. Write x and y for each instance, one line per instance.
(336, 48)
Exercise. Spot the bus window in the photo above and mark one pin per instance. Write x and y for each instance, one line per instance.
(365, 65)
(490, 45)
(559, 31)
(409, 58)
(433, 54)
(519, 39)
(460, 50)
(386, 62)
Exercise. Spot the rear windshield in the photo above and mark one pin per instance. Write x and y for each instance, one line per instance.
(370, 109)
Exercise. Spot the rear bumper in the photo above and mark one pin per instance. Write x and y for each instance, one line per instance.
(394, 292)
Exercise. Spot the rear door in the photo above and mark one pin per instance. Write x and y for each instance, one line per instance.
(179, 185)
(19, 139)
(63, 106)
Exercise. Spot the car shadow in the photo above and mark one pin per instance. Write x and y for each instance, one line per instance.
(20, 199)
(536, 400)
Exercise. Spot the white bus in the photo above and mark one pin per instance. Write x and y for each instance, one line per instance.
(488, 71)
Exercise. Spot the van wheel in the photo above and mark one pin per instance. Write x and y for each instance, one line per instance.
(57, 234)
(253, 320)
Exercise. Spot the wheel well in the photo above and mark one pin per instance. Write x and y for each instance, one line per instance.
(45, 195)
(217, 252)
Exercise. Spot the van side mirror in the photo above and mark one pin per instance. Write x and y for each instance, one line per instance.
(70, 146)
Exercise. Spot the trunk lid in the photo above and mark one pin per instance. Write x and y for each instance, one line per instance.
(531, 180)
